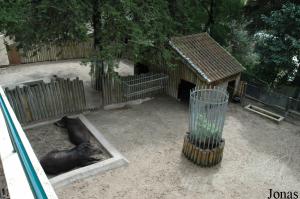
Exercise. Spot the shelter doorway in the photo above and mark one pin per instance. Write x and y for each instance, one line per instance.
(230, 88)
(140, 68)
(184, 89)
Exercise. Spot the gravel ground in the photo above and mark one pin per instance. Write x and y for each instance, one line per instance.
(259, 155)
(43, 70)
(50, 137)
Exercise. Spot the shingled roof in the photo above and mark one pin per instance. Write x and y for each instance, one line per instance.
(206, 56)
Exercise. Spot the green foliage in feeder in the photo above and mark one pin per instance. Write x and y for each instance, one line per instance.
(206, 128)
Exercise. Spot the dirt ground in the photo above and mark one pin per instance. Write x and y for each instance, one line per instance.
(47, 138)
(259, 155)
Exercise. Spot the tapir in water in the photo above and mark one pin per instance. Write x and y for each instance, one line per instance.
(78, 133)
(56, 161)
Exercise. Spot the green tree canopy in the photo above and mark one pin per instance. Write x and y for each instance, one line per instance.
(144, 27)
(279, 45)
(139, 29)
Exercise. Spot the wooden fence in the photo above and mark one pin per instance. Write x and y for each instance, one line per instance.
(42, 101)
(70, 50)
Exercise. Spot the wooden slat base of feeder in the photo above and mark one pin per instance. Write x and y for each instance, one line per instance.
(203, 157)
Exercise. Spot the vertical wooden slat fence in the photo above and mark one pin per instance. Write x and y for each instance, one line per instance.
(47, 100)
(69, 50)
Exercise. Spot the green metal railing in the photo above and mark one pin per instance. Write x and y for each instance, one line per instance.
(33, 180)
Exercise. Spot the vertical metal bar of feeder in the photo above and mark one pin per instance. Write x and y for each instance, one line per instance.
(199, 116)
(208, 118)
(213, 97)
(205, 130)
(201, 129)
(194, 110)
(205, 118)
(213, 109)
(193, 135)
(216, 113)
(216, 109)
(224, 105)
(219, 113)
(196, 118)
(190, 111)
(218, 96)
(220, 107)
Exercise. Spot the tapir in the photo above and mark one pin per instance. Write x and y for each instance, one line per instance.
(56, 161)
(78, 133)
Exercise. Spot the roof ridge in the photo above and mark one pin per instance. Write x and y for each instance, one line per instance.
(191, 35)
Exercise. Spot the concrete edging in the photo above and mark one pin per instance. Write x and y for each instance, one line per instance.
(263, 112)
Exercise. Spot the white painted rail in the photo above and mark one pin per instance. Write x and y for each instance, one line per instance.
(17, 177)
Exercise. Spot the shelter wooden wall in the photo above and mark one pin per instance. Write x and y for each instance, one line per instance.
(181, 71)
(185, 72)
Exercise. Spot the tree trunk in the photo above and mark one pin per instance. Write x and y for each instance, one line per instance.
(98, 63)
(97, 24)
(210, 12)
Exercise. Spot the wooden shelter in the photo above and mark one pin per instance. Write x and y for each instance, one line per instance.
(203, 62)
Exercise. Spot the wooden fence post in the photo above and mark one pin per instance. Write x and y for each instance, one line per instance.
(243, 97)
(287, 106)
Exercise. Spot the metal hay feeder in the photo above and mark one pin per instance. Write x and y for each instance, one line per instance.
(204, 144)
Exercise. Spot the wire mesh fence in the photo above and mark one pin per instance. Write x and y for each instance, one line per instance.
(122, 89)
(207, 115)
(272, 98)
(144, 83)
